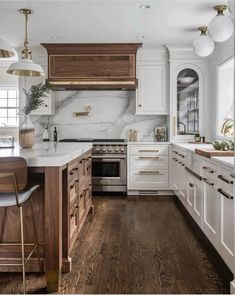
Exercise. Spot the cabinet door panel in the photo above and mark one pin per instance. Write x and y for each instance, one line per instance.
(151, 93)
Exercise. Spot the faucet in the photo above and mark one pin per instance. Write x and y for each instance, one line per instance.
(178, 126)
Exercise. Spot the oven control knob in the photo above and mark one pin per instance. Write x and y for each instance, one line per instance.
(110, 149)
(104, 149)
(116, 149)
(122, 149)
(97, 148)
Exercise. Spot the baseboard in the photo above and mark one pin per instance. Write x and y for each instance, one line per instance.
(150, 193)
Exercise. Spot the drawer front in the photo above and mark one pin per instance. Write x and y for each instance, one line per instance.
(225, 180)
(209, 170)
(148, 162)
(148, 180)
(145, 150)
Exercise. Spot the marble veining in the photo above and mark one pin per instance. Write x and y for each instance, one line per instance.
(112, 115)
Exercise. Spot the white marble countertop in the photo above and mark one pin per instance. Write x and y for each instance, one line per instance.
(148, 142)
(227, 161)
(47, 154)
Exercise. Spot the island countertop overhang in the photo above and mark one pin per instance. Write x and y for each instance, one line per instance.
(47, 154)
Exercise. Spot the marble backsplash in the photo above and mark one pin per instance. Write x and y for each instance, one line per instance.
(111, 116)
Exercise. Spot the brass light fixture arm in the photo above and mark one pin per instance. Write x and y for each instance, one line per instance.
(26, 52)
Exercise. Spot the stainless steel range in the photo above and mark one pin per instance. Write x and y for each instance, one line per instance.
(109, 164)
(109, 167)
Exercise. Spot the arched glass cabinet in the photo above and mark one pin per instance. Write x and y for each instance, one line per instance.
(188, 117)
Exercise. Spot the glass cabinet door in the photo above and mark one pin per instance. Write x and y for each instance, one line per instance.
(187, 102)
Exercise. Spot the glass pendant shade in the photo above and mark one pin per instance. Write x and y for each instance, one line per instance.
(25, 67)
(6, 50)
(203, 45)
(221, 27)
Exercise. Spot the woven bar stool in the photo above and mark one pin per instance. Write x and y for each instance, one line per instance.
(13, 192)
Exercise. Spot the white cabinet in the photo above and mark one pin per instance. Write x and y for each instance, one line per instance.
(225, 195)
(151, 92)
(147, 167)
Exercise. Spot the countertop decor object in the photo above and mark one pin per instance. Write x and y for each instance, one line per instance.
(25, 66)
(226, 145)
(33, 101)
(6, 142)
(161, 134)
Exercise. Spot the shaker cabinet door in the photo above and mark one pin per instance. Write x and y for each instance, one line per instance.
(151, 92)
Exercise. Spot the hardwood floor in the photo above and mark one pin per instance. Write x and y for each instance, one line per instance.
(129, 246)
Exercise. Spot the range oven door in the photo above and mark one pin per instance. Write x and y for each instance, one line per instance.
(109, 172)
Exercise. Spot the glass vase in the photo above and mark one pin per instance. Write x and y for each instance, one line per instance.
(26, 133)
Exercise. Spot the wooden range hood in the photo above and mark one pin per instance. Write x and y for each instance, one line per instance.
(92, 65)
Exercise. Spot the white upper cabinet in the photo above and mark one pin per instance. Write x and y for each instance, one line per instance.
(151, 92)
(188, 94)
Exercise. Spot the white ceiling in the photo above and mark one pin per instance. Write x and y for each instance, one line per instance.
(171, 22)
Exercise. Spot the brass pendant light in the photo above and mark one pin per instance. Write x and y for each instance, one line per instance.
(6, 50)
(25, 66)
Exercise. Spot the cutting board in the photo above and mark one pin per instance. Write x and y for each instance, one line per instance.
(208, 153)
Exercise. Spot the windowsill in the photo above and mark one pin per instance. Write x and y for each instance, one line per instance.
(8, 128)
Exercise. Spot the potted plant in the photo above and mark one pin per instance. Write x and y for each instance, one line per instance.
(32, 102)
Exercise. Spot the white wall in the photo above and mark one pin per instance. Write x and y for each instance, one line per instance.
(223, 51)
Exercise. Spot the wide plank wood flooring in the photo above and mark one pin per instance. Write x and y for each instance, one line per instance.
(133, 246)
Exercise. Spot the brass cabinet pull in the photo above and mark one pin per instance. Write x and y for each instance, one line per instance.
(148, 151)
(191, 185)
(175, 152)
(180, 162)
(181, 155)
(208, 182)
(155, 158)
(183, 165)
(149, 172)
(222, 192)
(225, 179)
(208, 169)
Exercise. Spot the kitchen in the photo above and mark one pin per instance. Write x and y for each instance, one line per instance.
(117, 147)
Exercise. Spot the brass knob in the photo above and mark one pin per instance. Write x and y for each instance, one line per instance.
(140, 105)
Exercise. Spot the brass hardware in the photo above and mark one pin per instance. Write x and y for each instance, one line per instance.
(140, 105)
(208, 182)
(203, 30)
(225, 194)
(208, 169)
(225, 179)
(190, 184)
(148, 151)
(220, 9)
(156, 158)
(181, 155)
(86, 112)
(73, 171)
(175, 152)
(183, 165)
(149, 172)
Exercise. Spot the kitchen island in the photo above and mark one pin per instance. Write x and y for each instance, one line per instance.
(63, 171)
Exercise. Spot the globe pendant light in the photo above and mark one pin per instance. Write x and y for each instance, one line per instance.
(203, 45)
(221, 26)
(6, 50)
(25, 66)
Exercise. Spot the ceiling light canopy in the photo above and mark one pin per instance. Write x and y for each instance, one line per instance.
(203, 45)
(6, 50)
(221, 26)
(25, 66)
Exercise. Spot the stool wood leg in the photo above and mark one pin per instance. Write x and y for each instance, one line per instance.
(35, 235)
(22, 247)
